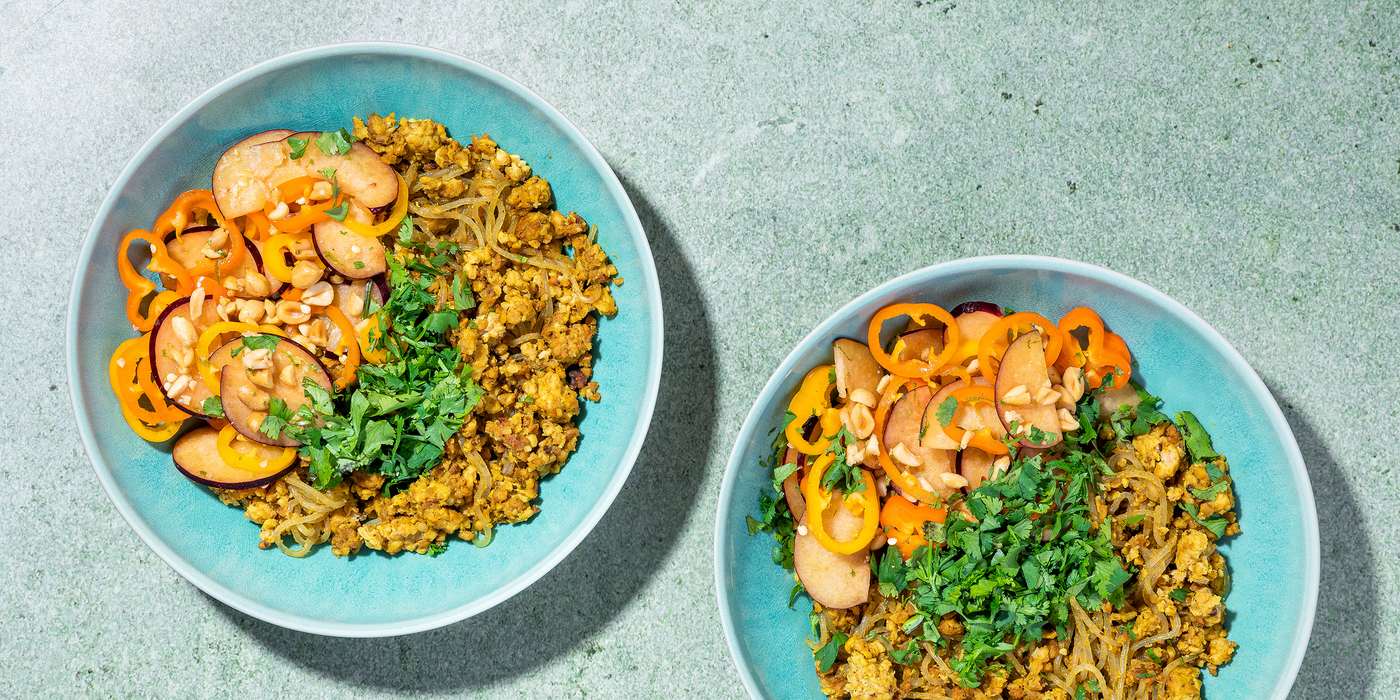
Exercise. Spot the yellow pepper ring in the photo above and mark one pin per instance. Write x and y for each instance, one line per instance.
(273, 249)
(238, 459)
(812, 399)
(206, 339)
(395, 216)
(867, 502)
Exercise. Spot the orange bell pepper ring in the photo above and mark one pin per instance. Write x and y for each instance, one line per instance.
(181, 213)
(912, 368)
(982, 438)
(389, 224)
(864, 503)
(994, 342)
(1106, 354)
(348, 341)
(894, 471)
(903, 522)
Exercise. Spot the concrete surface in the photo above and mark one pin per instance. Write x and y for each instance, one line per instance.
(1240, 156)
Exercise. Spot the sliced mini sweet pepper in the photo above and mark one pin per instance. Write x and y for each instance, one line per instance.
(903, 522)
(995, 341)
(914, 367)
(981, 438)
(813, 398)
(864, 503)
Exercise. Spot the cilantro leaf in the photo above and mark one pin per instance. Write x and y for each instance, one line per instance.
(436, 548)
(1196, 438)
(1178, 594)
(797, 589)
(945, 412)
(265, 341)
(1210, 493)
(907, 655)
(462, 294)
(335, 143)
(212, 406)
(298, 146)
(891, 573)
(339, 211)
(826, 656)
(278, 416)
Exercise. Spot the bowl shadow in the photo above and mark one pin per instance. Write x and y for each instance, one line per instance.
(1345, 644)
(562, 610)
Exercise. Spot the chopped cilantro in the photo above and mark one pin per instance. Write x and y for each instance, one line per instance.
(462, 294)
(212, 406)
(436, 548)
(278, 416)
(339, 211)
(1196, 438)
(1178, 594)
(1008, 577)
(797, 589)
(265, 341)
(298, 146)
(1136, 519)
(841, 474)
(907, 655)
(1210, 493)
(399, 418)
(946, 411)
(359, 265)
(826, 656)
(890, 572)
(335, 143)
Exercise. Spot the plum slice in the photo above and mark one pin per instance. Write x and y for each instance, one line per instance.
(286, 366)
(1110, 400)
(906, 419)
(196, 455)
(837, 581)
(975, 465)
(246, 175)
(188, 251)
(856, 368)
(920, 344)
(172, 343)
(972, 325)
(968, 307)
(1023, 364)
(348, 253)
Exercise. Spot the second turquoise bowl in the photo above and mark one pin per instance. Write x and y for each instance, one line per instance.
(1274, 561)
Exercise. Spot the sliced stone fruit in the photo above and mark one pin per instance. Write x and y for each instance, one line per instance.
(243, 385)
(196, 455)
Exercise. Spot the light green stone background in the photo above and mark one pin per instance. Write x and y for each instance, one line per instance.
(1240, 156)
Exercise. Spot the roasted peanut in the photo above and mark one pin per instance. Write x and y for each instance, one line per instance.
(307, 273)
(252, 398)
(293, 312)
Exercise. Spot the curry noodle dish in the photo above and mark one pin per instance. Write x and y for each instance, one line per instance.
(378, 338)
(988, 507)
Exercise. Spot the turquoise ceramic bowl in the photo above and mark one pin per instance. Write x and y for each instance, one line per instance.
(1274, 562)
(370, 594)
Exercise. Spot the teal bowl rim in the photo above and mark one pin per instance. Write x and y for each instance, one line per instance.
(639, 432)
(1033, 262)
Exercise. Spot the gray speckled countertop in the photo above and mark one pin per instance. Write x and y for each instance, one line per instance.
(1242, 157)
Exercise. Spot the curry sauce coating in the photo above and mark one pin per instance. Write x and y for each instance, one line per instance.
(523, 428)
